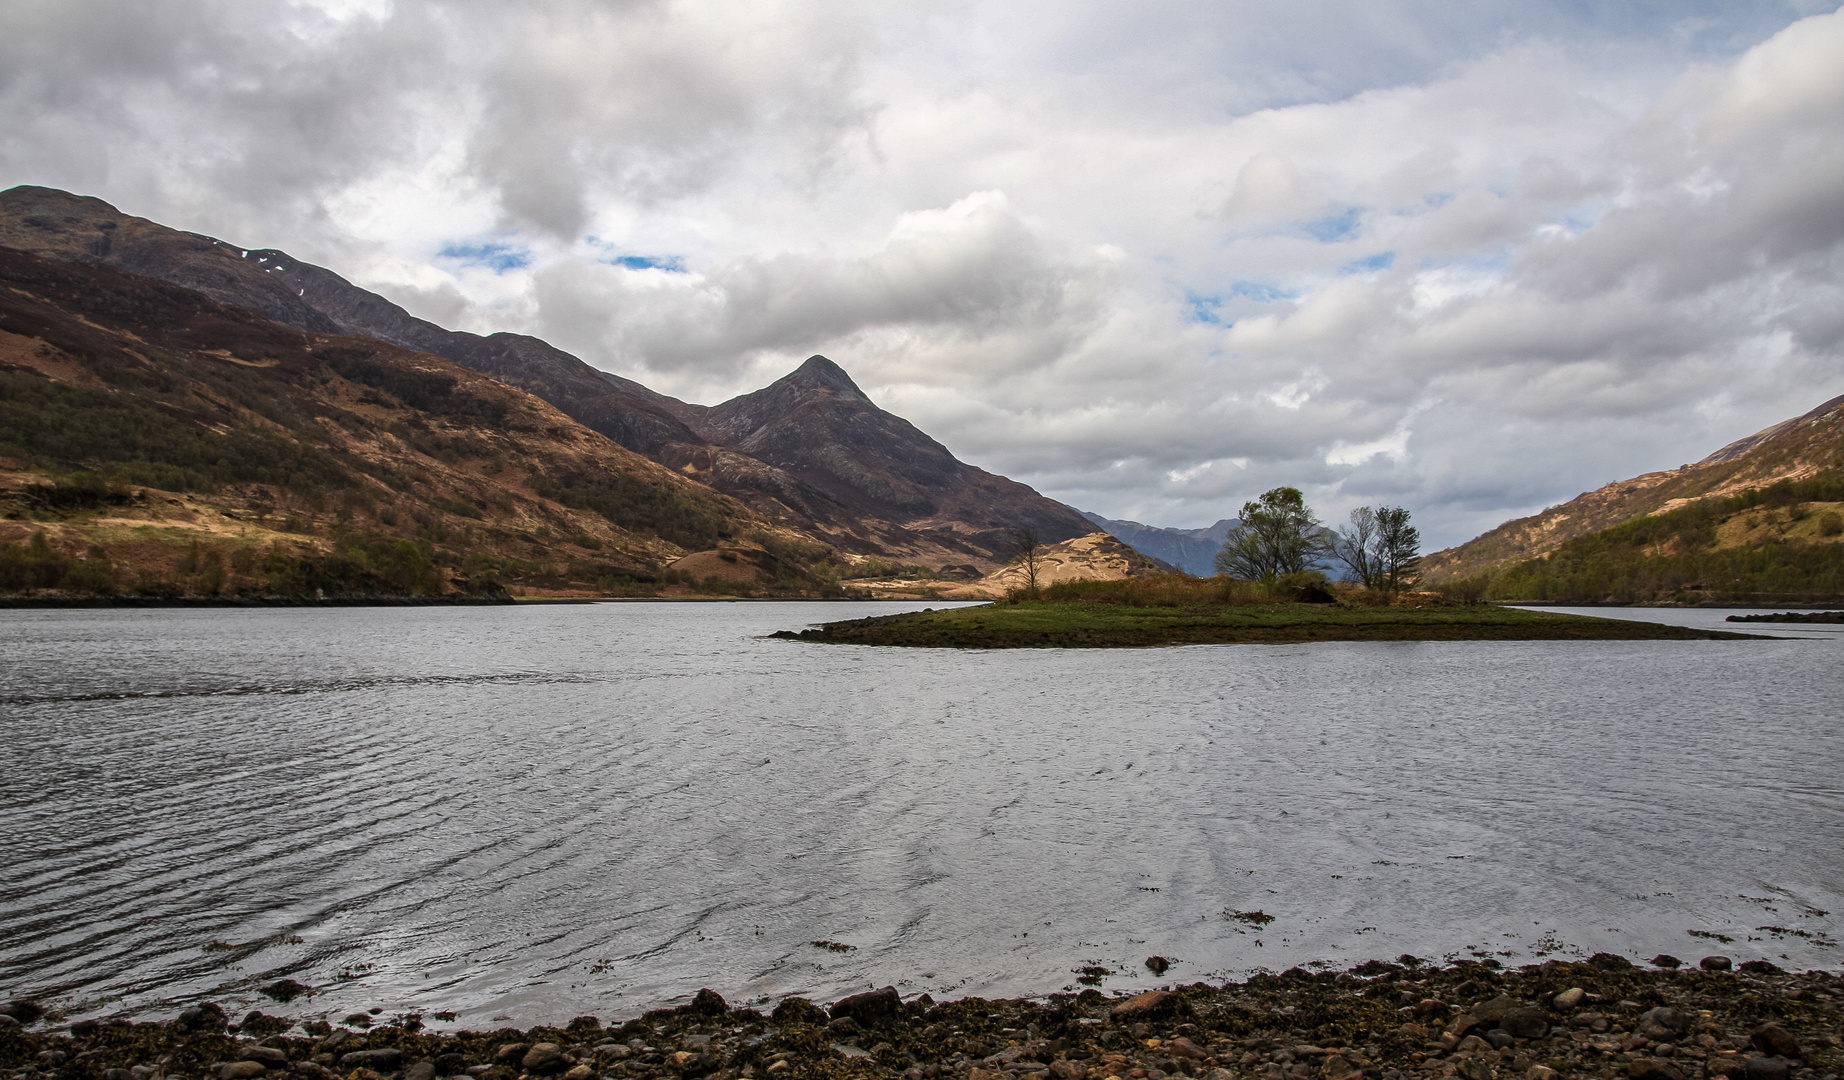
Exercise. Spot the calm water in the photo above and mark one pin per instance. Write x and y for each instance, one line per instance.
(538, 812)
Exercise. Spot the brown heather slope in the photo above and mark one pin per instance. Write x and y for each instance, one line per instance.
(1791, 450)
(811, 452)
(218, 443)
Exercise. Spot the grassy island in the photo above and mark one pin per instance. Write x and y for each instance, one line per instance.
(1192, 611)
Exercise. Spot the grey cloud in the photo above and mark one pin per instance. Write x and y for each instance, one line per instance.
(1617, 232)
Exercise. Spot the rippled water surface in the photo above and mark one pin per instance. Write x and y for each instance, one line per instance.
(537, 812)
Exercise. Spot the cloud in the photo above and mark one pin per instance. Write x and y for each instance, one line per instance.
(1468, 260)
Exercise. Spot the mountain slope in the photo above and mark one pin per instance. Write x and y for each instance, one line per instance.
(258, 445)
(1192, 550)
(806, 453)
(1792, 450)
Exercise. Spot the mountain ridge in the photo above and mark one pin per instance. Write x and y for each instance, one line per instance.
(1791, 450)
(814, 454)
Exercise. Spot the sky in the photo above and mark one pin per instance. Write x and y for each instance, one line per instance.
(1152, 258)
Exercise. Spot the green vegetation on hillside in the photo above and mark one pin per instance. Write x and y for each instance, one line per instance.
(148, 441)
(1179, 610)
(1768, 545)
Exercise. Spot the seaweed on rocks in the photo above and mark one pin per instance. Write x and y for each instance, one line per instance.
(1604, 1019)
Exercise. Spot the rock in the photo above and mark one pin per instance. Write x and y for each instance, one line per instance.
(869, 1008)
(708, 1002)
(980, 1074)
(511, 1053)
(1491, 1012)
(117, 1074)
(544, 1058)
(1652, 1069)
(388, 1059)
(1771, 1038)
(1761, 967)
(1726, 1065)
(421, 1070)
(843, 1026)
(1473, 1069)
(1145, 1006)
(1526, 1022)
(1715, 963)
(1068, 1070)
(241, 1070)
(8, 1020)
(1570, 999)
(580, 1072)
(1540, 1072)
(797, 1010)
(266, 1055)
(853, 1053)
(1610, 961)
(206, 1016)
(1662, 1024)
(1185, 1048)
(1462, 1024)
(336, 1040)
(24, 1010)
(1158, 965)
(285, 990)
(1666, 961)
(1768, 1068)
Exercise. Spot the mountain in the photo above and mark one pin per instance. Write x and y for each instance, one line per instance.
(1191, 550)
(156, 442)
(810, 452)
(1793, 450)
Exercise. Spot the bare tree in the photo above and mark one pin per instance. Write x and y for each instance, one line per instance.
(1380, 547)
(1354, 545)
(1026, 552)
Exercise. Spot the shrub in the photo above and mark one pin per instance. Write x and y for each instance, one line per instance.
(1830, 523)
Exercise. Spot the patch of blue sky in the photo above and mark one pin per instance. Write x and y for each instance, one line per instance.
(1206, 309)
(1330, 230)
(672, 264)
(1369, 264)
(495, 256)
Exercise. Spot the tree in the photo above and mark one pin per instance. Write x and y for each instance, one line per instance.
(1353, 545)
(1380, 547)
(1397, 549)
(1278, 535)
(1025, 549)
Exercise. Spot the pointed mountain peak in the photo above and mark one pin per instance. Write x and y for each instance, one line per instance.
(820, 373)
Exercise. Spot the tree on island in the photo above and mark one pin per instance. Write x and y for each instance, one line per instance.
(1025, 550)
(1380, 548)
(1278, 535)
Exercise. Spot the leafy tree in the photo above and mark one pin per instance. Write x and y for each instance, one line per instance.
(1397, 550)
(1278, 535)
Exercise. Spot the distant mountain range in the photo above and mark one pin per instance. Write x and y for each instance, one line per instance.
(1192, 550)
(810, 453)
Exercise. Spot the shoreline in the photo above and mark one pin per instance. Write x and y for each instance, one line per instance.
(1602, 1018)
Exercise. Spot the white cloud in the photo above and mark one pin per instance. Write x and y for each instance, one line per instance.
(1471, 261)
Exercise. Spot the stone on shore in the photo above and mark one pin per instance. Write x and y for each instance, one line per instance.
(241, 1070)
(388, 1059)
(1152, 1003)
(1570, 999)
(1715, 963)
(1769, 1068)
(873, 1007)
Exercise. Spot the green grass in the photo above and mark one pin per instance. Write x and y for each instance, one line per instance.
(1109, 625)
